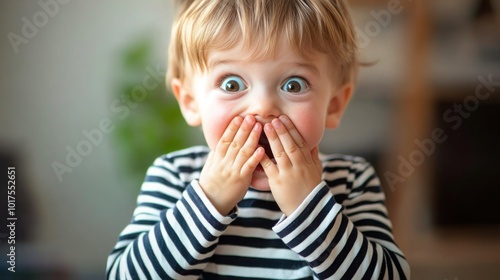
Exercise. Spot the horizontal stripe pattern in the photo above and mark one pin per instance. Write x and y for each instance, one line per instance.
(341, 231)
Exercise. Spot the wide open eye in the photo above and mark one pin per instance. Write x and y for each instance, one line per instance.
(295, 85)
(232, 84)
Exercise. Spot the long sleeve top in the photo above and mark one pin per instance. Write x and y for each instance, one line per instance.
(340, 231)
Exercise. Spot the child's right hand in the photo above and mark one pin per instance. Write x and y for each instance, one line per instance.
(227, 174)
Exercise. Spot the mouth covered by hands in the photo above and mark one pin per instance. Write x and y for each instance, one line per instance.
(292, 169)
(297, 170)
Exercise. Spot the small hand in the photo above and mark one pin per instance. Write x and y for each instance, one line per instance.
(297, 170)
(227, 174)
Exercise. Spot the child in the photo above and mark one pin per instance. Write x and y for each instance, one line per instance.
(263, 78)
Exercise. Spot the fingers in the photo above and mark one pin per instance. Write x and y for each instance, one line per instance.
(250, 153)
(275, 142)
(228, 135)
(238, 146)
(253, 161)
(297, 139)
(236, 135)
(287, 144)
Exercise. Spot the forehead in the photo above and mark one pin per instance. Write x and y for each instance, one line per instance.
(253, 51)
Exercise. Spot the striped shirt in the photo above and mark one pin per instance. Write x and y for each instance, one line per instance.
(340, 231)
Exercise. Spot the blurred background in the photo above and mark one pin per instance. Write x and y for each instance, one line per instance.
(84, 111)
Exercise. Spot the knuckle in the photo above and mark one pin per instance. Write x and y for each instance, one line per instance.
(235, 144)
(292, 149)
(225, 175)
(246, 152)
(225, 141)
(279, 154)
(266, 163)
(301, 144)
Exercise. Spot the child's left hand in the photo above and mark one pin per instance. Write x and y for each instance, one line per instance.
(297, 170)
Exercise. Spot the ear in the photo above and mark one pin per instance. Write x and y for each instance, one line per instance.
(337, 105)
(187, 102)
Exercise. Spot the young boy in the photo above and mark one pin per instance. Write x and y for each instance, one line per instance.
(263, 78)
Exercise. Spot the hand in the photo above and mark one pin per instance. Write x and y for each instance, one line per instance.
(297, 170)
(227, 174)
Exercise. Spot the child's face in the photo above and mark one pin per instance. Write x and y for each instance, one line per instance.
(288, 84)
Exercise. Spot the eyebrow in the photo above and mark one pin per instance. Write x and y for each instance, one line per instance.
(212, 64)
(311, 67)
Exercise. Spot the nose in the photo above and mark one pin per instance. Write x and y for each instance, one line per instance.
(265, 107)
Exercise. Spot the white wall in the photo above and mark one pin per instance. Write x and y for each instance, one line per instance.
(59, 83)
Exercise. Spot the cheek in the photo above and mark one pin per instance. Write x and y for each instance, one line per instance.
(310, 126)
(214, 123)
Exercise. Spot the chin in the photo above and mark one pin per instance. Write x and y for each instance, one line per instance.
(260, 181)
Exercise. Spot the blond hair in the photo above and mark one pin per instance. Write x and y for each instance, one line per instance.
(205, 25)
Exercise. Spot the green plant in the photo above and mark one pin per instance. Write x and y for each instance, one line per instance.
(154, 125)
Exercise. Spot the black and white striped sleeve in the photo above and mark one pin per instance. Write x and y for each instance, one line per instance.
(174, 230)
(342, 229)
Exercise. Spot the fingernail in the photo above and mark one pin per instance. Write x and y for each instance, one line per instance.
(237, 120)
(283, 118)
(248, 119)
(277, 123)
